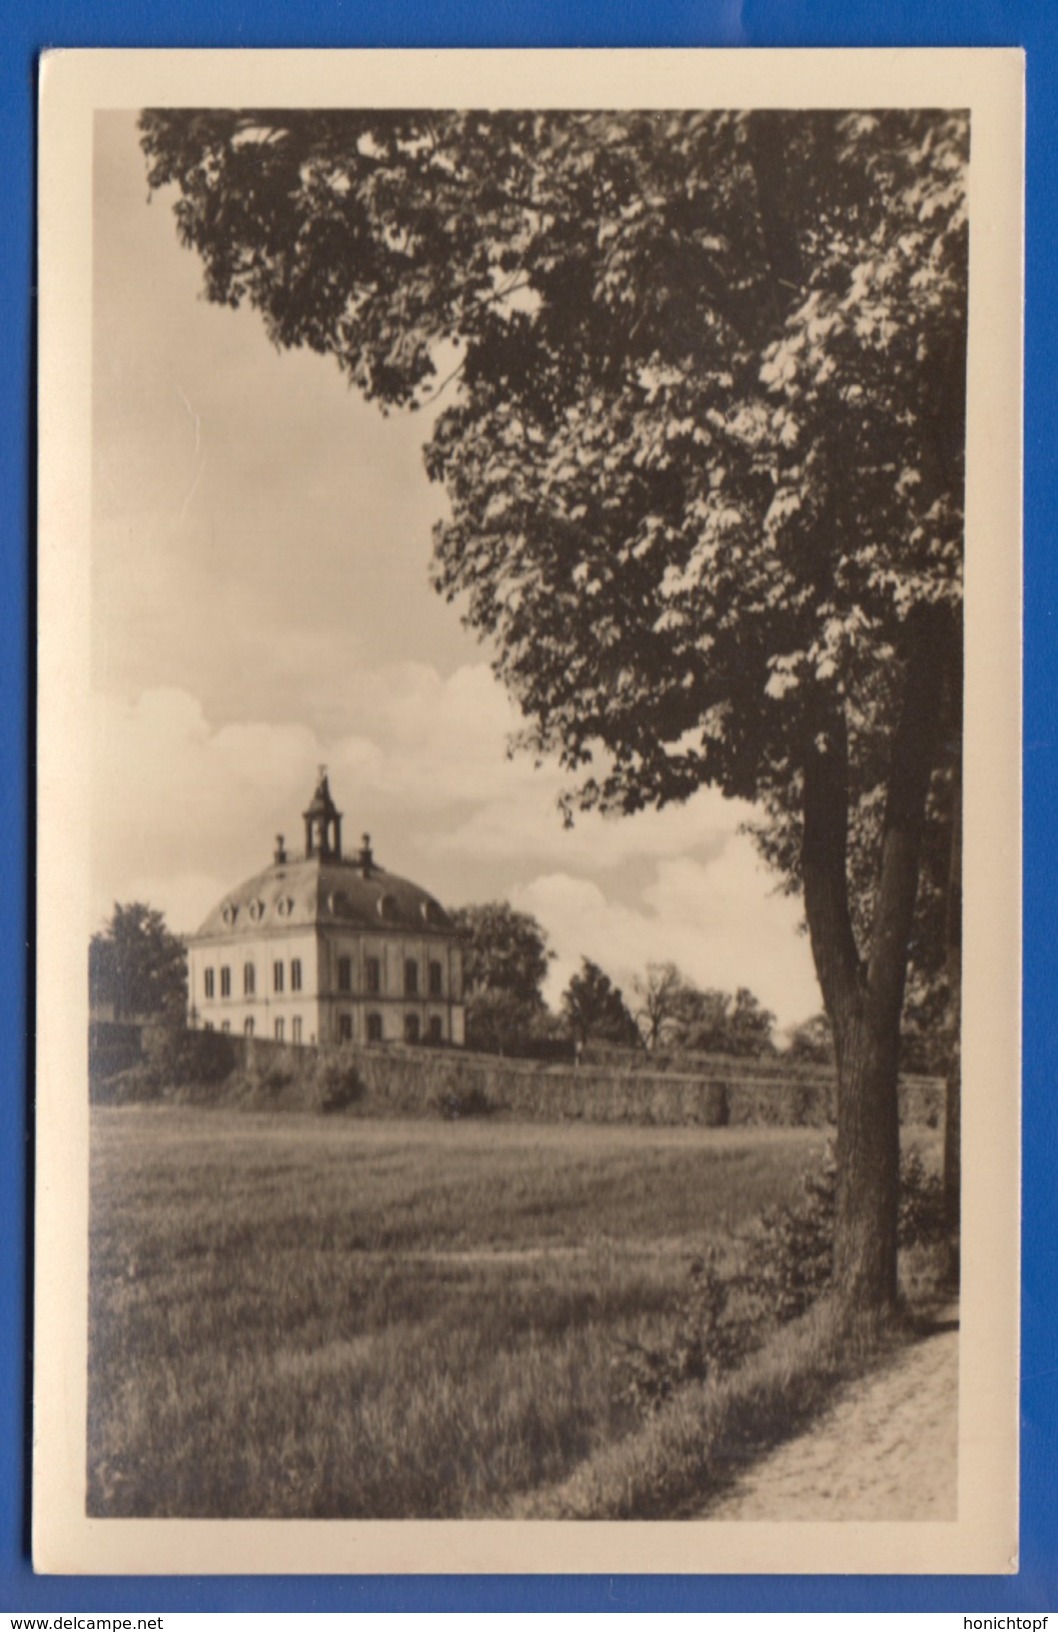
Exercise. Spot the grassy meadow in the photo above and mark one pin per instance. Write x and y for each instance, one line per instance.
(331, 1317)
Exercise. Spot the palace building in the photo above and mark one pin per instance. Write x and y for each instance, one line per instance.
(327, 948)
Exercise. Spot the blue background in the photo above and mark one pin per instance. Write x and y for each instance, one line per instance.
(26, 29)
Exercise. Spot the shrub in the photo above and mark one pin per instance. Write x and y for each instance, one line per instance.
(708, 1341)
(456, 1103)
(921, 1219)
(267, 1077)
(787, 1265)
(333, 1084)
(789, 1261)
(785, 1269)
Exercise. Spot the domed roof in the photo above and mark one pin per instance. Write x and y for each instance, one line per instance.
(317, 891)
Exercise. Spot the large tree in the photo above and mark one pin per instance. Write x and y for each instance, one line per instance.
(505, 963)
(137, 966)
(594, 1008)
(703, 453)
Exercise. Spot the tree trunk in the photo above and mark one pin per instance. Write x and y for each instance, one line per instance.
(864, 999)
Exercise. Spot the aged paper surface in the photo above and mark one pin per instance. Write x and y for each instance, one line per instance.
(76, 86)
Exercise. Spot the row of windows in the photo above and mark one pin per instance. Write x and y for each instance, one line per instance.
(372, 978)
(280, 1029)
(412, 1030)
(249, 979)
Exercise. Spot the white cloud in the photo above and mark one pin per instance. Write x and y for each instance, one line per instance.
(720, 922)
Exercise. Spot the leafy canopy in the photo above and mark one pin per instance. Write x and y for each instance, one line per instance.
(505, 963)
(594, 1009)
(704, 445)
(138, 965)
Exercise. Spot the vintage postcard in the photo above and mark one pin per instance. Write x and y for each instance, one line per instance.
(529, 563)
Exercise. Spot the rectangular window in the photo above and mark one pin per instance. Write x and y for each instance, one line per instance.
(345, 974)
(248, 980)
(295, 1029)
(373, 973)
(345, 1028)
(225, 982)
(277, 977)
(411, 1028)
(225, 1025)
(209, 1025)
(209, 982)
(436, 979)
(374, 1028)
(411, 977)
(280, 1028)
(248, 1027)
(434, 1031)
(295, 974)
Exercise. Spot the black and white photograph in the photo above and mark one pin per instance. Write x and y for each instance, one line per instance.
(528, 794)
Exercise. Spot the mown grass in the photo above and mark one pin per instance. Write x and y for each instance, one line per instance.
(293, 1316)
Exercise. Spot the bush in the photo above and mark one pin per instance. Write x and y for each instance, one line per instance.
(785, 1269)
(921, 1220)
(789, 1261)
(333, 1084)
(266, 1078)
(708, 1342)
(789, 1258)
(456, 1103)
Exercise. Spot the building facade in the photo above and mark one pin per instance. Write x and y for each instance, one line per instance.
(325, 948)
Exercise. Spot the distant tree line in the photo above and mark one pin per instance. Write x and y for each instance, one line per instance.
(137, 969)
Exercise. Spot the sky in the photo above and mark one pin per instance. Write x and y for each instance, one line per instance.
(261, 605)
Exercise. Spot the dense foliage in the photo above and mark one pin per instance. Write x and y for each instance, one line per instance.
(703, 457)
(137, 966)
(594, 1009)
(505, 962)
(673, 1013)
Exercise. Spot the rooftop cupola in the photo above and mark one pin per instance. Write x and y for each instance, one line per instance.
(323, 823)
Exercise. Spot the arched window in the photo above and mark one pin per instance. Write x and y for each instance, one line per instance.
(436, 978)
(248, 979)
(411, 978)
(248, 1027)
(345, 974)
(411, 1028)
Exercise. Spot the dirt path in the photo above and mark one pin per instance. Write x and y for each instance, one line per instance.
(887, 1449)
